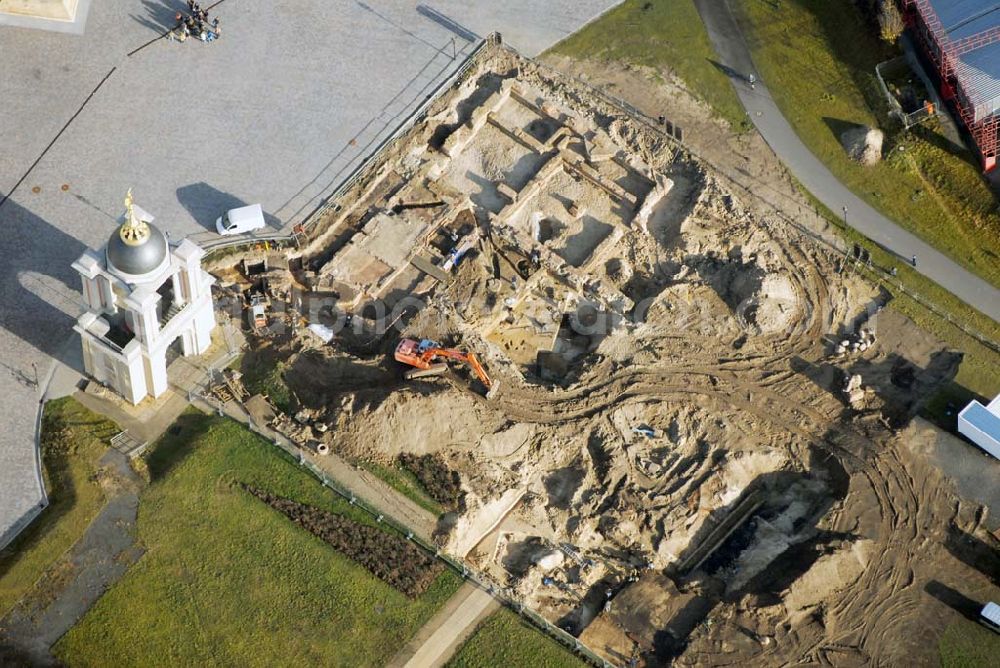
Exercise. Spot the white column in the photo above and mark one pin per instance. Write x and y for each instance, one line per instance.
(108, 295)
(152, 323)
(91, 296)
(157, 366)
(88, 355)
(149, 323)
(130, 381)
(179, 296)
(192, 275)
(83, 324)
(204, 324)
(188, 347)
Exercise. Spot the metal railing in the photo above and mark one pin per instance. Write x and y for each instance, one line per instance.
(332, 199)
(625, 107)
(501, 593)
(401, 128)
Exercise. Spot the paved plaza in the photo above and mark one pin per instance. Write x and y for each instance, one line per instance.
(278, 111)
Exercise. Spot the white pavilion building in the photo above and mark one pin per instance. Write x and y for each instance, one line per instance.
(145, 302)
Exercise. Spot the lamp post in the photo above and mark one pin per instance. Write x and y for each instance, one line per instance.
(844, 208)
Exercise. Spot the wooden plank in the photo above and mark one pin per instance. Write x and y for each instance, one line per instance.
(428, 267)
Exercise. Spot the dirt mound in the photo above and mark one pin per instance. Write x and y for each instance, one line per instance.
(863, 144)
(773, 306)
(699, 434)
(429, 418)
(763, 302)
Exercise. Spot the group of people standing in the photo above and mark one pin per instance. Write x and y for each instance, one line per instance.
(196, 23)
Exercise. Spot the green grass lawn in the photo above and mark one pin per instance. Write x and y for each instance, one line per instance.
(966, 644)
(664, 35)
(404, 482)
(73, 440)
(818, 59)
(264, 375)
(226, 580)
(504, 639)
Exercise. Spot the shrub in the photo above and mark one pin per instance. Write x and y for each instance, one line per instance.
(890, 21)
(442, 484)
(391, 558)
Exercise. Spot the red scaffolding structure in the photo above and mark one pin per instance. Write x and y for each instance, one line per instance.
(946, 55)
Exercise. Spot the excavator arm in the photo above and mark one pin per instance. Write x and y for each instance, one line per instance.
(467, 358)
(421, 355)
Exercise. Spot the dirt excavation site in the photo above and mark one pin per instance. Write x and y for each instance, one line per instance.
(692, 440)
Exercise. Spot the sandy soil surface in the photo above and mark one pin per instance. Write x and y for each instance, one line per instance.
(695, 448)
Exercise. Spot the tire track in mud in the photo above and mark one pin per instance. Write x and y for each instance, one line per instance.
(769, 350)
(760, 382)
(870, 611)
(883, 597)
(585, 402)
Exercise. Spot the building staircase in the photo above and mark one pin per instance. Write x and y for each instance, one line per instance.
(170, 313)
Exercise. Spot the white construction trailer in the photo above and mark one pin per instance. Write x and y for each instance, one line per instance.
(981, 425)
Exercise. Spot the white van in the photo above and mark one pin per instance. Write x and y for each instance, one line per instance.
(990, 616)
(241, 220)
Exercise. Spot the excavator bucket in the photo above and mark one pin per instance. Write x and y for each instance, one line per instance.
(494, 388)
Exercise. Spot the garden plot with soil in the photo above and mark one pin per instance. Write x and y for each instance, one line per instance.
(680, 457)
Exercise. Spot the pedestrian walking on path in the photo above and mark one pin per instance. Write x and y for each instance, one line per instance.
(913, 261)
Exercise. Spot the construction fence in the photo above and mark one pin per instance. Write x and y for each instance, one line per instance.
(662, 126)
(659, 125)
(331, 202)
(499, 592)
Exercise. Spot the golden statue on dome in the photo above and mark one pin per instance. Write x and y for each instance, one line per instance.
(134, 229)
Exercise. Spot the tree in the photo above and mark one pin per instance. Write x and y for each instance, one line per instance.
(890, 21)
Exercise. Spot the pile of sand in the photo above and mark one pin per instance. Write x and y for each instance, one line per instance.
(773, 307)
(763, 301)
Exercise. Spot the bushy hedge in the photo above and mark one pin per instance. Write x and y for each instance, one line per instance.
(442, 484)
(391, 558)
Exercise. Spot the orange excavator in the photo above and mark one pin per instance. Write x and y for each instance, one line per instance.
(422, 356)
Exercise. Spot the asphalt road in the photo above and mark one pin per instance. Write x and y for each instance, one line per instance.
(729, 44)
(438, 640)
(278, 111)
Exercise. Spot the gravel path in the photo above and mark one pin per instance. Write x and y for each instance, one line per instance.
(436, 642)
(73, 584)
